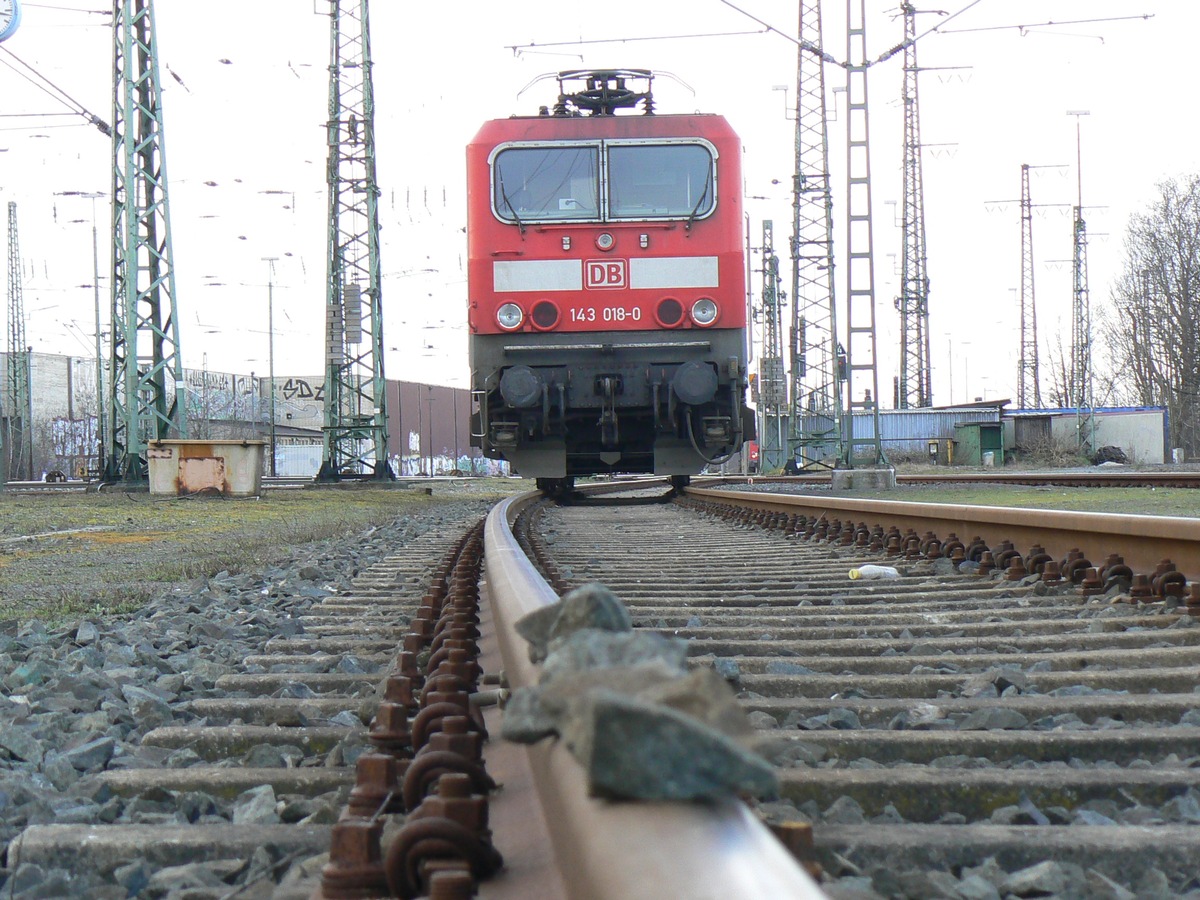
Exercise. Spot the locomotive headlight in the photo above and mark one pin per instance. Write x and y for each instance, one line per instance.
(605, 241)
(704, 311)
(509, 317)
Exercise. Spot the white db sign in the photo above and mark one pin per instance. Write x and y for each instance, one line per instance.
(605, 273)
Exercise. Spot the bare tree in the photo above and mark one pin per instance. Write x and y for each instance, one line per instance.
(1152, 337)
(1057, 365)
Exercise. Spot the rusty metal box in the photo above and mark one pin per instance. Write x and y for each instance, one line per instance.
(227, 468)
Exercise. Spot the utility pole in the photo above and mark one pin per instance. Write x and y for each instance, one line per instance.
(270, 261)
(860, 446)
(20, 357)
(146, 387)
(816, 389)
(771, 379)
(93, 196)
(355, 428)
(913, 302)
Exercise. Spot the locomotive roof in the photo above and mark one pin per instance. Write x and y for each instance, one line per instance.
(533, 128)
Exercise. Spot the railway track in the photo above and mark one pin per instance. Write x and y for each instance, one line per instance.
(932, 729)
(1160, 477)
(940, 724)
(368, 717)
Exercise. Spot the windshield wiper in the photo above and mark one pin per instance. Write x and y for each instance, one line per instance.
(512, 209)
(695, 209)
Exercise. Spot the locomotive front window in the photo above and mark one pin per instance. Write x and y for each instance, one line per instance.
(659, 180)
(546, 183)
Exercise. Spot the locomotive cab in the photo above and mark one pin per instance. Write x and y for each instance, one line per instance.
(607, 286)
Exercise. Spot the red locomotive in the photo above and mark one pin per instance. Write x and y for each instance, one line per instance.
(606, 281)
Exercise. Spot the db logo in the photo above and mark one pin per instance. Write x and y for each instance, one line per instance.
(604, 273)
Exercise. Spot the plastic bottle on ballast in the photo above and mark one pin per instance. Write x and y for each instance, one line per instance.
(873, 573)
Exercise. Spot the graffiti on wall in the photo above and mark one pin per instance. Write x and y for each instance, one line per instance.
(299, 389)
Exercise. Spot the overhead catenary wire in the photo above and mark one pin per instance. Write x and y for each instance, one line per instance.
(49, 87)
(1049, 23)
(533, 45)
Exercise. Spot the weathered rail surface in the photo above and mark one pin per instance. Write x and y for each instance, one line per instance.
(1124, 477)
(932, 722)
(1142, 541)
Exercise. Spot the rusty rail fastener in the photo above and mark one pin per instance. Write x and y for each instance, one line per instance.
(355, 868)
(378, 786)
(448, 827)
(1016, 568)
(1140, 590)
(1050, 573)
(1092, 583)
(1191, 604)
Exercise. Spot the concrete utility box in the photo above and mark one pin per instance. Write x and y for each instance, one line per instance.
(974, 439)
(228, 468)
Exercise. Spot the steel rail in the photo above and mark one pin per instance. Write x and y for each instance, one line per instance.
(624, 851)
(1143, 541)
(1131, 478)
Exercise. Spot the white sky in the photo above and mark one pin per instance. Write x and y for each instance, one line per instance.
(248, 113)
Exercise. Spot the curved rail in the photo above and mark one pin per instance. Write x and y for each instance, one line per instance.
(625, 850)
(1143, 541)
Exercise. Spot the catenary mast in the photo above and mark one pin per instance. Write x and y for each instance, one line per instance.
(772, 379)
(861, 443)
(1080, 388)
(146, 388)
(355, 431)
(816, 388)
(913, 302)
(1029, 392)
(19, 439)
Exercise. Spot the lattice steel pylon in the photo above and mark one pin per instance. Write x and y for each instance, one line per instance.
(772, 381)
(19, 440)
(1080, 387)
(1080, 391)
(913, 302)
(355, 429)
(816, 388)
(1029, 391)
(861, 443)
(146, 387)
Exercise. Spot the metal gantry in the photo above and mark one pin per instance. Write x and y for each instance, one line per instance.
(146, 387)
(914, 387)
(18, 441)
(861, 443)
(1029, 391)
(355, 432)
(816, 388)
(772, 380)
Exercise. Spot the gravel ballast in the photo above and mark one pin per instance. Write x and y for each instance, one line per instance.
(77, 699)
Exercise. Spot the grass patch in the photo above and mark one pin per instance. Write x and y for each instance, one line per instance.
(66, 555)
(1149, 501)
